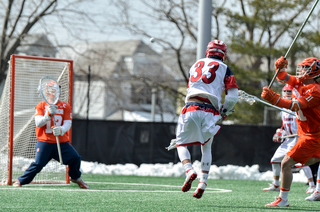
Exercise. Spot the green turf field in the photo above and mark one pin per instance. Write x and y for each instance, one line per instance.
(133, 193)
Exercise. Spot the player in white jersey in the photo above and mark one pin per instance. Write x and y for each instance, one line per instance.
(315, 196)
(208, 78)
(289, 128)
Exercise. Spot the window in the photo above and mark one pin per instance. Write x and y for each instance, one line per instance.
(141, 94)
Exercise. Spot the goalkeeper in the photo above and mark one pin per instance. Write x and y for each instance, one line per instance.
(46, 146)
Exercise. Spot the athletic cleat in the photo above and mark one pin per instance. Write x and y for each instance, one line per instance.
(17, 184)
(310, 190)
(313, 197)
(272, 187)
(191, 176)
(278, 203)
(80, 183)
(200, 189)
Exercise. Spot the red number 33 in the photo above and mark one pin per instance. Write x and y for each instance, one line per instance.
(213, 66)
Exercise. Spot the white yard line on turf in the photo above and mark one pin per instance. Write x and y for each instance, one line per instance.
(32, 187)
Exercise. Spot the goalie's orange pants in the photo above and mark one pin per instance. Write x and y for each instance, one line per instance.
(308, 146)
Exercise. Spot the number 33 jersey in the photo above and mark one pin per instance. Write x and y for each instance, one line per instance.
(208, 78)
(45, 133)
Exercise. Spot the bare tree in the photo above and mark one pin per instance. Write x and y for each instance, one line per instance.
(21, 17)
(172, 23)
(256, 31)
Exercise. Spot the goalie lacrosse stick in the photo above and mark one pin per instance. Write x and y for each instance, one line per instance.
(252, 99)
(51, 98)
(294, 40)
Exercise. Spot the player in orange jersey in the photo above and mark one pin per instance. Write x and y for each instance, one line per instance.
(46, 147)
(306, 104)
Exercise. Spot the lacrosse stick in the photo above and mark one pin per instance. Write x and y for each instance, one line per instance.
(294, 40)
(289, 136)
(252, 99)
(51, 98)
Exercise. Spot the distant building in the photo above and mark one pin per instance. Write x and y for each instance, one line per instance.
(124, 79)
(37, 45)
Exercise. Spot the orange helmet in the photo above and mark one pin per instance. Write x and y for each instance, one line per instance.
(287, 92)
(217, 48)
(309, 68)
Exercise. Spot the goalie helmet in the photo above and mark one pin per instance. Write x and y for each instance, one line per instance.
(51, 89)
(309, 68)
(217, 48)
(287, 92)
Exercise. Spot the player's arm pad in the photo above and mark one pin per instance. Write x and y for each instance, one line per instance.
(66, 126)
(41, 120)
(294, 104)
(230, 99)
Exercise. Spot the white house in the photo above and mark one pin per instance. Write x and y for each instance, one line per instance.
(123, 76)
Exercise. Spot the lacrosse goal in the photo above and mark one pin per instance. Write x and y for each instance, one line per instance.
(17, 126)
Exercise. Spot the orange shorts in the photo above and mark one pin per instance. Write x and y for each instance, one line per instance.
(308, 146)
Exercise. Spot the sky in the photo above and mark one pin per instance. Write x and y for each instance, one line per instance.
(102, 13)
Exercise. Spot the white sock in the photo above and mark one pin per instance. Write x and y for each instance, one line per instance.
(187, 166)
(311, 184)
(318, 185)
(284, 194)
(276, 182)
(203, 177)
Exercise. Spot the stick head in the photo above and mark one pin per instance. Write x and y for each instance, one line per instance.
(243, 96)
(49, 89)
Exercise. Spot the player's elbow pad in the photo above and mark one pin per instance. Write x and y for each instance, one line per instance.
(66, 126)
(295, 105)
(40, 121)
(231, 98)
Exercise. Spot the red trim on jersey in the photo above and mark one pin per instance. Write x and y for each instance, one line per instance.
(202, 99)
(195, 108)
(275, 162)
(230, 82)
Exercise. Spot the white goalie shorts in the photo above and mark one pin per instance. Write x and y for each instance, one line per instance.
(197, 124)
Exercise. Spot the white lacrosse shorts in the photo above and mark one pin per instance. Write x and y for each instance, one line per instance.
(197, 124)
(283, 149)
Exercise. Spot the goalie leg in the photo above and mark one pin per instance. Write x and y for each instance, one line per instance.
(43, 156)
(71, 158)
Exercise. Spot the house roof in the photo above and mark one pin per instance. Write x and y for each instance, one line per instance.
(104, 57)
(37, 44)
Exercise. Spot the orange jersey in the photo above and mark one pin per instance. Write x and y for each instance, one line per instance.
(308, 119)
(44, 133)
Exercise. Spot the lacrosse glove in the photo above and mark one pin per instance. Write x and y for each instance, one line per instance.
(278, 136)
(58, 131)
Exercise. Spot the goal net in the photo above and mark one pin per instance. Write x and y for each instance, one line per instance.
(17, 109)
